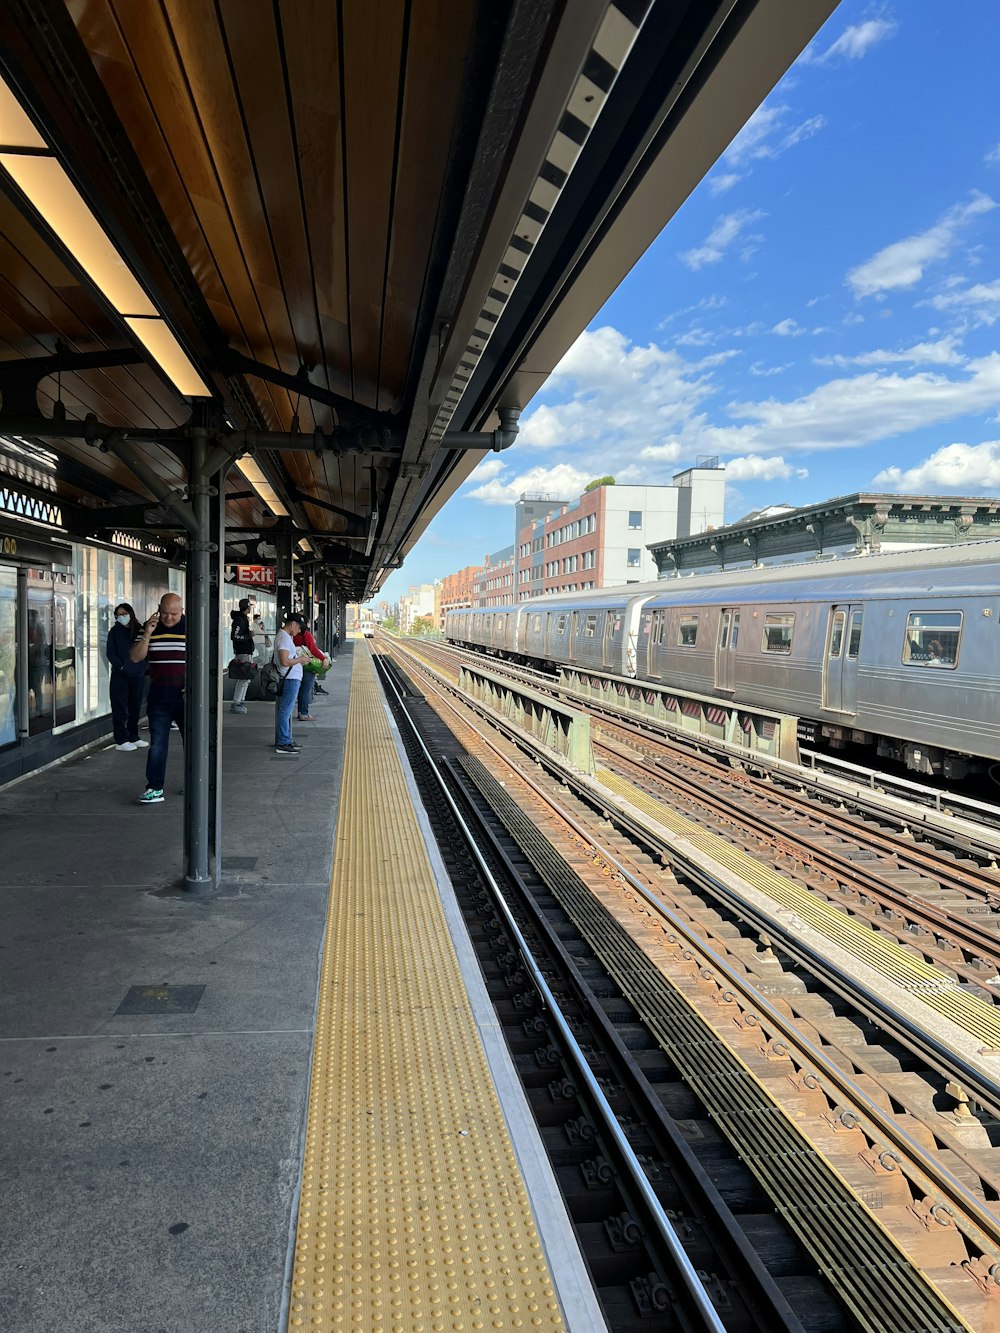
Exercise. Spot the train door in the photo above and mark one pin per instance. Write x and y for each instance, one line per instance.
(725, 657)
(840, 664)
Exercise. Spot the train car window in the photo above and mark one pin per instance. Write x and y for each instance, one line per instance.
(687, 631)
(854, 644)
(736, 631)
(590, 626)
(724, 631)
(932, 638)
(561, 625)
(837, 634)
(611, 623)
(778, 634)
(536, 624)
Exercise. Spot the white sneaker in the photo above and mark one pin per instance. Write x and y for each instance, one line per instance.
(141, 745)
(129, 745)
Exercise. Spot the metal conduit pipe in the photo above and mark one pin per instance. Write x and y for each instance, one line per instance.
(486, 439)
(197, 871)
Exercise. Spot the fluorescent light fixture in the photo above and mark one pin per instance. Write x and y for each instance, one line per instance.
(16, 129)
(61, 205)
(49, 190)
(305, 545)
(262, 486)
(164, 348)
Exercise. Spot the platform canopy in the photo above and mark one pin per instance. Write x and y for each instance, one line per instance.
(342, 241)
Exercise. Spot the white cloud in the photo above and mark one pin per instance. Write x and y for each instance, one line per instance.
(758, 368)
(993, 156)
(981, 302)
(729, 229)
(668, 452)
(490, 467)
(855, 41)
(767, 135)
(846, 413)
(788, 328)
(956, 469)
(720, 184)
(611, 398)
(944, 352)
(902, 264)
(615, 405)
(752, 467)
(696, 337)
(563, 479)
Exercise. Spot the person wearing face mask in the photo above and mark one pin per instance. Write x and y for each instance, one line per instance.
(126, 679)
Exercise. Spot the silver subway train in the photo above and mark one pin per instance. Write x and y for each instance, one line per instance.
(899, 652)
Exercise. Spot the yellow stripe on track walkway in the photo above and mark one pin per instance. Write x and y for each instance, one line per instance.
(414, 1217)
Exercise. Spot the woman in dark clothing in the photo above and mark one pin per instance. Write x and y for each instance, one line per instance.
(126, 679)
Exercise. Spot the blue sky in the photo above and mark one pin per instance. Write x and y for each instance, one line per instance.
(823, 312)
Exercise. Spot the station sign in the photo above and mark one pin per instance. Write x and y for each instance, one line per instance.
(255, 576)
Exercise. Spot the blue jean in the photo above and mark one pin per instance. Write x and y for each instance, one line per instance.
(283, 706)
(309, 679)
(162, 707)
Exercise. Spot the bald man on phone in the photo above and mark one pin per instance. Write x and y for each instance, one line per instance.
(163, 646)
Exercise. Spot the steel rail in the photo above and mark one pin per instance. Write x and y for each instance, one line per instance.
(987, 826)
(971, 937)
(986, 1226)
(639, 1181)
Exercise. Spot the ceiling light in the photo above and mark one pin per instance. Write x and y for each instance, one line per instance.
(16, 129)
(304, 545)
(62, 207)
(167, 352)
(29, 161)
(262, 486)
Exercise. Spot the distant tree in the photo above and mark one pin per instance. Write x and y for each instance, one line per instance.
(422, 625)
(599, 481)
(389, 623)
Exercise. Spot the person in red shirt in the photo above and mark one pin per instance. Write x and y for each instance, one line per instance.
(309, 678)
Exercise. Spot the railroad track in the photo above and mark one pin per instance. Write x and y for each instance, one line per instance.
(969, 827)
(922, 1190)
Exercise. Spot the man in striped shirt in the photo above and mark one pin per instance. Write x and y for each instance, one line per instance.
(162, 645)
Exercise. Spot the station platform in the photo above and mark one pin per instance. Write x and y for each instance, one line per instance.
(283, 1106)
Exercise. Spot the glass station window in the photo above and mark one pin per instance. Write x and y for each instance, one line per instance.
(837, 633)
(64, 643)
(687, 631)
(854, 643)
(41, 681)
(778, 633)
(8, 654)
(932, 638)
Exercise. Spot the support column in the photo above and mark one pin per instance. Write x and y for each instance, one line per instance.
(203, 692)
(283, 570)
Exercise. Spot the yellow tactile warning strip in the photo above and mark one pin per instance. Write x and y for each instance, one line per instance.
(414, 1216)
(922, 980)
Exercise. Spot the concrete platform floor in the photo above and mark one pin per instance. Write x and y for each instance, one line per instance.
(148, 1162)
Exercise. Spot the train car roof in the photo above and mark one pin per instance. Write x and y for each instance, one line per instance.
(975, 564)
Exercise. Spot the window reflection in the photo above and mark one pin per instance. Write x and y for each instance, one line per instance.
(8, 654)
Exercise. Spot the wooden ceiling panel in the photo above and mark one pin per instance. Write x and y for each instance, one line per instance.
(372, 37)
(312, 57)
(438, 35)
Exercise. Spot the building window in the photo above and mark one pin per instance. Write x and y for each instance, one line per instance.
(635, 518)
(932, 638)
(777, 634)
(633, 557)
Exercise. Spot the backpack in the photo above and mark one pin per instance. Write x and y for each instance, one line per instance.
(271, 680)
